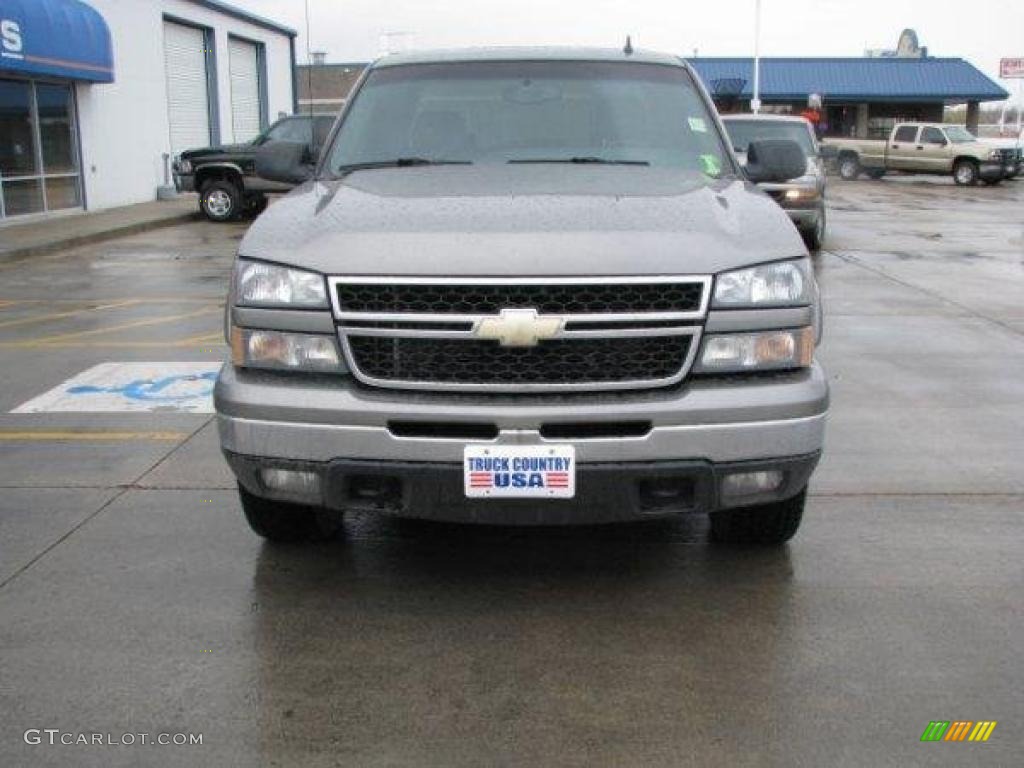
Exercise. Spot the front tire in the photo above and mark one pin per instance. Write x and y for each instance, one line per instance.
(965, 173)
(221, 201)
(764, 525)
(284, 522)
(849, 167)
(814, 237)
(255, 204)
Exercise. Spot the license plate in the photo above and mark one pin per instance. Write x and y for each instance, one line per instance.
(519, 471)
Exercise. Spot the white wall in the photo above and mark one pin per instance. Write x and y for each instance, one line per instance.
(124, 126)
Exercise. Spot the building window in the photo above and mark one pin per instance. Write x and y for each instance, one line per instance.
(38, 152)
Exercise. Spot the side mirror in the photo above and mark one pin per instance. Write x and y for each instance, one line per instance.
(775, 160)
(288, 162)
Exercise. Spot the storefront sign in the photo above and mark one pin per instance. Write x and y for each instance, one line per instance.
(1011, 68)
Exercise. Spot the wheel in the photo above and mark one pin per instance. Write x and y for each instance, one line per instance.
(849, 167)
(876, 174)
(965, 173)
(765, 524)
(221, 201)
(255, 203)
(281, 521)
(814, 237)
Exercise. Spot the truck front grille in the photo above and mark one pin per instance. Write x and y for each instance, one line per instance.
(559, 361)
(520, 335)
(490, 298)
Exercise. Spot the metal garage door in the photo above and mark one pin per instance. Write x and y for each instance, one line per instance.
(188, 101)
(245, 89)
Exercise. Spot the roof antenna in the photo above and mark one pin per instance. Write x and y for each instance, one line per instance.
(628, 48)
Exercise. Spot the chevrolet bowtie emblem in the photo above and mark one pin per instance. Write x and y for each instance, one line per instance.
(519, 327)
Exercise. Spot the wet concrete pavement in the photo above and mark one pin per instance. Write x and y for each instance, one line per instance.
(133, 599)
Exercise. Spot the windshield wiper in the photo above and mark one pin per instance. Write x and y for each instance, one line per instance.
(579, 161)
(398, 162)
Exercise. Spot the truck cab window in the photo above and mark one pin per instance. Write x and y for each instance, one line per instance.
(905, 133)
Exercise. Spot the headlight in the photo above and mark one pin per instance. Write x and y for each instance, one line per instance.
(268, 285)
(804, 193)
(184, 166)
(761, 351)
(285, 351)
(786, 283)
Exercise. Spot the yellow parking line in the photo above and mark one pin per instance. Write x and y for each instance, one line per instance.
(87, 436)
(203, 338)
(181, 344)
(211, 301)
(113, 328)
(72, 313)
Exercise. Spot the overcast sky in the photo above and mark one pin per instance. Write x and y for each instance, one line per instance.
(980, 31)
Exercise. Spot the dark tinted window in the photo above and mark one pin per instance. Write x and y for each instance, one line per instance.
(742, 132)
(295, 129)
(905, 133)
(499, 112)
(932, 136)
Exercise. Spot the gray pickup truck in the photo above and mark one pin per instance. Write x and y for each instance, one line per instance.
(525, 287)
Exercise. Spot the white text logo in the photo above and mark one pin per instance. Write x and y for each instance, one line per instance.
(10, 36)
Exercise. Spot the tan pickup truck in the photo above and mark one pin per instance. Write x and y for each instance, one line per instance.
(924, 148)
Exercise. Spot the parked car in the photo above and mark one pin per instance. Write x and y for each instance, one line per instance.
(525, 287)
(225, 176)
(935, 148)
(802, 198)
(1015, 146)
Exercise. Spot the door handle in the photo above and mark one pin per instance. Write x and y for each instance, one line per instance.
(919, 148)
(895, 146)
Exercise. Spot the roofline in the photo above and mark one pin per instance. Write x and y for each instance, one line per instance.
(339, 64)
(242, 15)
(863, 59)
(842, 98)
(483, 54)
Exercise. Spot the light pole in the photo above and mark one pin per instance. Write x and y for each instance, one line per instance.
(755, 102)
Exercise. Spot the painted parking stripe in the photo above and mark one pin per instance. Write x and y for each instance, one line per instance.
(85, 436)
(185, 387)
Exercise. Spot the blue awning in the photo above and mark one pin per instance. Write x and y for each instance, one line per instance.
(59, 38)
(929, 79)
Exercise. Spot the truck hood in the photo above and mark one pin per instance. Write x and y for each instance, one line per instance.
(220, 149)
(535, 220)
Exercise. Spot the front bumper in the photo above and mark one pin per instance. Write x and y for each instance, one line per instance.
(605, 492)
(317, 423)
(995, 170)
(184, 182)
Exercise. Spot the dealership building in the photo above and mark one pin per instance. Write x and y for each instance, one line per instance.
(96, 96)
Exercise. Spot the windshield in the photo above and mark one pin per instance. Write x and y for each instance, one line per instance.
(742, 132)
(534, 111)
(959, 135)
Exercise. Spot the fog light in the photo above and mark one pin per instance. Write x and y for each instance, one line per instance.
(291, 481)
(746, 483)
